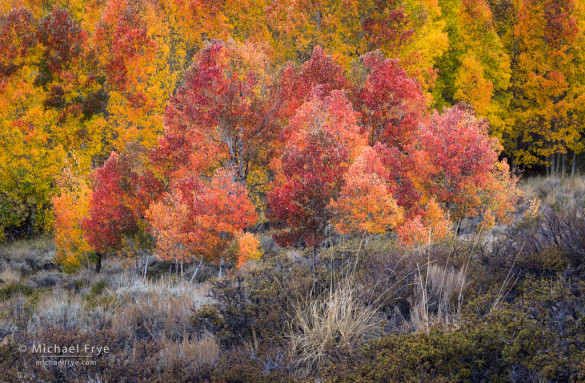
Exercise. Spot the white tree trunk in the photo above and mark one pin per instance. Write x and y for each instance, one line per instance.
(220, 268)
(196, 270)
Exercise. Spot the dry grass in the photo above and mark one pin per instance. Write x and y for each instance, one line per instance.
(130, 306)
(549, 190)
(94, 379)
(28, 256)
(435, 300)
(9, 275)
(443, 283)
(331, 324)
(135, 287)
(13, 314)
(161, 308)
(62, 309)
(133, 309)
(58, 310)
(22, 247)
(198, 352)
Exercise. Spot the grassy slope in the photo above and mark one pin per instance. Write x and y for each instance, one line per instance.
(301, 314)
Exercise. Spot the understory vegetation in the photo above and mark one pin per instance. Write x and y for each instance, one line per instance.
(504, 305)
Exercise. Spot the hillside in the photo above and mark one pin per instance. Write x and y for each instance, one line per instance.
(504, 305)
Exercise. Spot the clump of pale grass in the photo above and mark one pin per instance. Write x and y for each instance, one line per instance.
(156, 314)
(68, 311)
(24, 247)
(58, 310)
(134, 288)
(130, 306)
(160, 308)
(9, 275)
(444, 283)
(94, 379)
(552, 189)
(434, 301)
(330, 325)
(195, 352)
(13, 314)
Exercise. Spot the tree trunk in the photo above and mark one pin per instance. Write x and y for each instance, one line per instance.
(220, 274)
(241, 167)
(146, 266)
(33, 218)
(196, 270)
(563, 165)
(573, 164)
(98, 264)
(552, 165)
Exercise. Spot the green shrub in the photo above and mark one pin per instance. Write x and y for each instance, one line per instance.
(12, 289)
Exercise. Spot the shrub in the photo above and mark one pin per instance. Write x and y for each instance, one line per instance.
(12, 289)
(252, 304)
(538, 337)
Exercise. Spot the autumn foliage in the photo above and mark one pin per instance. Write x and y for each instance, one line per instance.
(391, 104)
(323, 137)
(366, 203)
(362, 156)
(456, 161)
(194, 129)
(222, 114)
(70, 207)
(122, 192)
(200, 220)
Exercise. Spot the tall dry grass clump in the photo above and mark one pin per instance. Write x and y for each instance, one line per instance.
(552, 190)
(329, 325)
(199, 352)
(154, 309)
(437, 298)
(9, 275)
